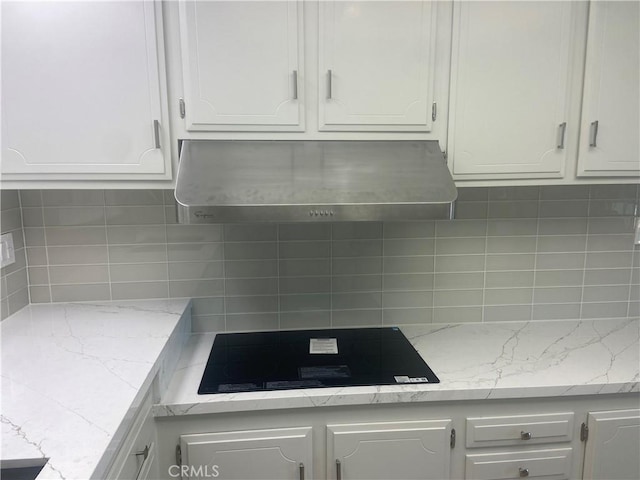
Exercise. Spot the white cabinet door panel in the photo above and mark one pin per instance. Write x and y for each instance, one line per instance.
(376, 65)
(510, 80)
(611, 91)
(242, 63)
(81, 89)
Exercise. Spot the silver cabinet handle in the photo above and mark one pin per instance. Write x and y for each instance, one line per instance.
(329, 86)
(144, 454)
(525, 435)
(524, 472)
(156, 133)
(593, 134)
(338, 470)
(562, 128)
(295, 84)
(301, 466)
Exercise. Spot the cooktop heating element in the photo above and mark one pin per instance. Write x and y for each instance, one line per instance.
(280, 360)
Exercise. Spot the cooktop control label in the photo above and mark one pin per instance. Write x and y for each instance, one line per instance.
(323, 346)
(405, 379)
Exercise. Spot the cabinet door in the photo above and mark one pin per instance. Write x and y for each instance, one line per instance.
(275, 454)
(397, 450)
(510, 85)
(613, 445)
(242, 64)
(376, 65)
(82, 92)
(609, 141)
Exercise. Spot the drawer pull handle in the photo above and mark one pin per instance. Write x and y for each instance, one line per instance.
(143, 453)
(524, 472)
(338, 470)
(525, 435)
(301, 466)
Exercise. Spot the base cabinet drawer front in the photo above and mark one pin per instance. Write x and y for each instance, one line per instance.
(389, 450)
(553, 464)
(519, 430)
(273, 454)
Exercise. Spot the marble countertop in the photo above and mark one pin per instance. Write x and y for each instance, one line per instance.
(473, 362)
(73, 376)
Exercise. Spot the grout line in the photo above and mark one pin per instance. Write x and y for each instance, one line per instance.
(277, 274)
(331, 274)
(224, 279)
(484, 271)
(584, 262)
(106, 234)
(166, 244)
(535, 257)
(382, 276)
(46, 246)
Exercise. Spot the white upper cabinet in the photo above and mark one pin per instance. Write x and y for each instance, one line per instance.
(512, 77)
(242, 64)
(376, 65)
(83, 94)
(609, 141)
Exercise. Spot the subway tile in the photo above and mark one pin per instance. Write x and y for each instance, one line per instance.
(609, 259)
(508, 296)
(202, 252)
(251, 304)
(608, 243)
(418, 229)
(510, 261)
(296, 267)
(137, 253)
(460, 263)
(457, 314)
(564, 192)
(357, 248)
(564, 208)
(250, 268)
(78, 274)
(497, 227)
(34, 237)
(356, 230)
(507, 313)
(509, 279)
(39, 294)
(356, 300)
(250, 233)
(196, 288)
(567, 311)
(460, 246)
(252, 322)
(171, 215)
(407, 299)
(605, 310)
(305, 302)
(61, 236)
(514, 193)
(470, 210)
(562, 226)
(18, 300)
(356, 283)
(614, 191)
(562, 243)
(195, 270)
(38, 275)
(513, 209)
(9, 199)
(305, 320)
(289, 285)
(207, 306)
(73, 216)
(611, 225)
(139, 290)
(405, 247)
(511, 244)
(313, 249)
(558, 278)
(138, 272)
(10, 220)
(31, 198)
(634, 310)
(423, 264)
(80, 293)
(132, 234)
(605, 208)
(304, 231)
(36, 256)
(408, 281)
(133, 197)
(617, 276)
(456, 298)
(208, 323)
(20, 263)
(407, 316)
(356, 266)
(77, 255)
(16, 281)
(3, 288)
(544, 295)
(560, 261)
(461, 228)
(169, 197)
(70, 198)
(473, 194)
(357, 318)
(194, 233)
(605, 293)
(146, 215)
(32, 217)
(453, 281)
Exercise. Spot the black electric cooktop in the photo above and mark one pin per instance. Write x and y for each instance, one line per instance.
(282, 360)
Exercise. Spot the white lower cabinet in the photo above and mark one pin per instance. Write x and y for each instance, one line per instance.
(273, 454)
(389, 450)
(552, 464)
(613, 444)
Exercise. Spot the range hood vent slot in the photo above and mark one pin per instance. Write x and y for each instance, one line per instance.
(222, 181)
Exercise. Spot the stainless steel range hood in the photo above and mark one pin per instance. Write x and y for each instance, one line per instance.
(302, 181)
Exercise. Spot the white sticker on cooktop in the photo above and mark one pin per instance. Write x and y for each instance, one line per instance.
(405, 379)
(323, 346)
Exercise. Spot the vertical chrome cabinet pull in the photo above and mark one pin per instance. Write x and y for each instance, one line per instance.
(329, 86)
(338, 470)
(524, 472)
(156, 133)
(182, 107)
(525, 435)
(301, 471)
(593, 134)
(562, 128)
(295, 84)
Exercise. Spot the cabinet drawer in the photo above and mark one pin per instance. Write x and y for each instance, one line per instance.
(519, 430)
(549, 464)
